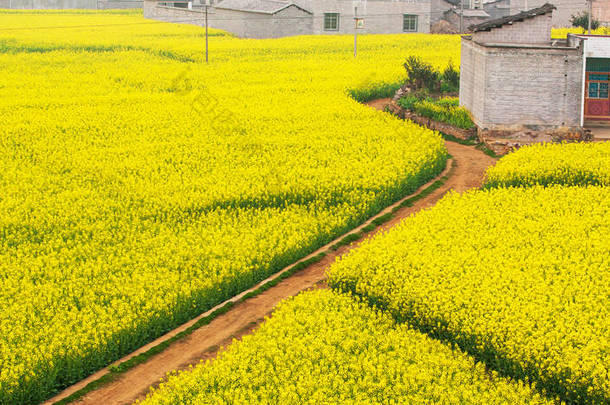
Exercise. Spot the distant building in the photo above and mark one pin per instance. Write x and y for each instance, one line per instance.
(275, 19)
(69, 4)
(475, 11)
(566, 9)
(514, 76)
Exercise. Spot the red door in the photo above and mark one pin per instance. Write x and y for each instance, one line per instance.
(597, 101)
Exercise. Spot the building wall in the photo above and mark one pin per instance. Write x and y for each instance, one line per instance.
(601, 11)
(561, 16)
(525, 87)
(173, 14)
(381, 17)
(533, 30)
(454, 19)
(473, 80)
(69, 4)
(438, 9)
(290, 21)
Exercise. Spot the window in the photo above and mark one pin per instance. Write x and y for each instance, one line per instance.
(409, 23)
(331, 21)
(598, 90)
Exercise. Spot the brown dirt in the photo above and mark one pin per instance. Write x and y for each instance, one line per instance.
(468, 169)
(379, 104)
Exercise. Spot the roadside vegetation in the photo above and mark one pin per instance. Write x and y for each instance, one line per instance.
(445, 110)
(431, 93)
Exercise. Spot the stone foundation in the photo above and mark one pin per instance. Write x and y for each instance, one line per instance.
(503, 141)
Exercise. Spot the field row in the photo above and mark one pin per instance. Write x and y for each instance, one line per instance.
(323, 347)
(515, 277)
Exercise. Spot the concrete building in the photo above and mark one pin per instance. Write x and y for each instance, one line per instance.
(69, 4)
(474, 12)
(566, 9)
(275, 18)
(514, 77)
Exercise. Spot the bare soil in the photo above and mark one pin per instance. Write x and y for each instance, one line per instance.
(469, 165)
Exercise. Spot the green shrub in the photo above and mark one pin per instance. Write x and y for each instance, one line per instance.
(450, 79)
(421, 75)
(582, 20)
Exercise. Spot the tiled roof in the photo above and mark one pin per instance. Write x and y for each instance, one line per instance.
(257, 6)
(524, 15)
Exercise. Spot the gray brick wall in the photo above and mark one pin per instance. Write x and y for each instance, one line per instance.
(284, 25)
(522, 87)
(473, 71)
(533, 30)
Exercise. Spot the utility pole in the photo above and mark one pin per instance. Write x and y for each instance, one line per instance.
(590, 14)
(461, 16)
(355, 30)
(206, 31)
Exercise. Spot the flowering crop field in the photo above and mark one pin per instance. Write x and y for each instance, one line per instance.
(140, 186)
(323, 347)
(570, 164)
(516, 276)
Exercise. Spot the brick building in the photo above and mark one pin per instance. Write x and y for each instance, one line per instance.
(280, 18)
(515, 77)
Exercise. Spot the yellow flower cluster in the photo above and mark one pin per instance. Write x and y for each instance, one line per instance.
(326, 348)
(140, 186)
(563, 32)
(571, 164)
(516, 276)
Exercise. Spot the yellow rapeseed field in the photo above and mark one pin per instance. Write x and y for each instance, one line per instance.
(571, 164)
(563, 32)
(140, 186)
(326, 348)
(516, 276)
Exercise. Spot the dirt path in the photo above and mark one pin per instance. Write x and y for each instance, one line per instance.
(468, 169)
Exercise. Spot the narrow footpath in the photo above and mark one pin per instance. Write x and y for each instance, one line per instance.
(469, 165)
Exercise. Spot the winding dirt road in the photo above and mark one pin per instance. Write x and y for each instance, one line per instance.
(469, 165)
